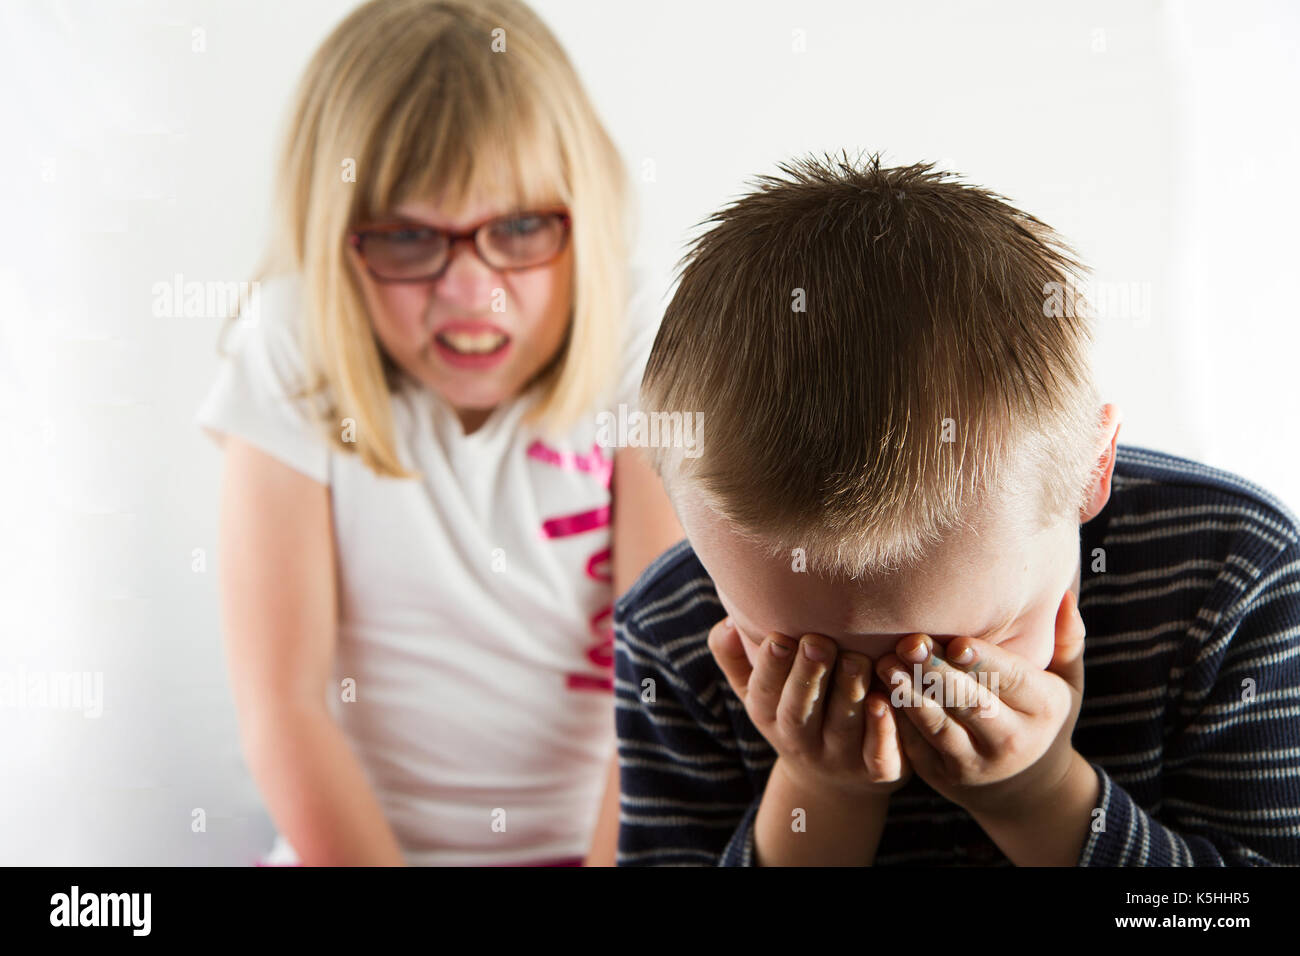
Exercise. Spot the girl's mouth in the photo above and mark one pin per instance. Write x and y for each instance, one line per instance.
(473, 343)
(472, 350)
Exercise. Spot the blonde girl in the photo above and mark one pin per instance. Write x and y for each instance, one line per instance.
(421, 536)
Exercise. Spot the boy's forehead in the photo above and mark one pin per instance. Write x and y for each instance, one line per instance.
(779, 599)
(976, 584)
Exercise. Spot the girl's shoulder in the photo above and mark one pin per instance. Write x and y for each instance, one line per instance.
(272, 331)
(263, 390)
(266, 333)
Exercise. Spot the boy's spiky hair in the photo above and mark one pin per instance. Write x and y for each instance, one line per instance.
(878, 354)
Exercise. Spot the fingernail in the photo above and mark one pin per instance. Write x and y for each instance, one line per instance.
(966, 656)
(728, 624)
(815, 652)
(918, 652)
(780, 650)
(852, 666)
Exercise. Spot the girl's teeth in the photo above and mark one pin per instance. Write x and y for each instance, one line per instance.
(472, 343)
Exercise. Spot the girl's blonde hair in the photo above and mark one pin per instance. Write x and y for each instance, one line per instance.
(453, 100)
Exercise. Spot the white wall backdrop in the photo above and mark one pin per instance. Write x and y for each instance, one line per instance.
(1158, 137)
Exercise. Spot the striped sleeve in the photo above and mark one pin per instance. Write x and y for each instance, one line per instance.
(686, 798)
(740, 850)
(1231, 780)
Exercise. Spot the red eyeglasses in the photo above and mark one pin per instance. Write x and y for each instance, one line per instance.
(415, 252)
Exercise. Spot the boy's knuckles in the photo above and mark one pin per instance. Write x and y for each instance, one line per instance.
(881, 769)
(770, 672)
(792, 726)
(805, 687)
(1011, 676)
(766, 682)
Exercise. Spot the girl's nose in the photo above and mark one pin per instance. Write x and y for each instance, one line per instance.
(467, 278)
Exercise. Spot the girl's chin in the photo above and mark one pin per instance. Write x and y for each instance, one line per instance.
(482, 395)
(477, 403)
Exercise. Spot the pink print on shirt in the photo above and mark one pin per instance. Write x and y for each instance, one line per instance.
(601, 652)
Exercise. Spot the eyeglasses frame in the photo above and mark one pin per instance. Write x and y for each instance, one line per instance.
(472, 233)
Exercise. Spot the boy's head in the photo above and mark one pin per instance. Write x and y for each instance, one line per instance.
(903, 430)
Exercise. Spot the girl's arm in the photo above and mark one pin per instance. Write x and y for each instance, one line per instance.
(279, 604)
(644, 527)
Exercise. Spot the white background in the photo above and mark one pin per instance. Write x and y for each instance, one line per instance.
(1159, 138)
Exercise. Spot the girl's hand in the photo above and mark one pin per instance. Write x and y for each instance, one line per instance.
(991, 734)
(815, 711)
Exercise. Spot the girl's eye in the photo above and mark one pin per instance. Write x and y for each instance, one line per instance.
(520, 225)
(409, 235)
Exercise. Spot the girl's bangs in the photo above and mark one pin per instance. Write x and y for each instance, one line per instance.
(502, 152)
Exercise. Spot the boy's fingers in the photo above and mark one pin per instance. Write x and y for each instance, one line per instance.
(881, 751)
(1004, 674)
(923, 701)
(843, 723)
(772, 663)
(961, 705)
(799, 714)
(724, 642)
(918, 753)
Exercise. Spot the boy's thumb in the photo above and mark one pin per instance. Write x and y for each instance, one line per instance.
(1067, 659)
(724, 643)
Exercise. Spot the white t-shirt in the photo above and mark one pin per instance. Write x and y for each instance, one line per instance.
(475, 604)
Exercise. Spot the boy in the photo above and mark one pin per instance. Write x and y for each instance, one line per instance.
(909, 504)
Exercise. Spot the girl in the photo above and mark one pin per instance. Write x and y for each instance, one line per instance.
(416, 516)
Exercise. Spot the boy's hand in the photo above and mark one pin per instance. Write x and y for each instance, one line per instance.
(816, 714)
(1010, 747)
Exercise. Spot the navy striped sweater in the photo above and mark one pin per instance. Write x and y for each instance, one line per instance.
(1190, 714)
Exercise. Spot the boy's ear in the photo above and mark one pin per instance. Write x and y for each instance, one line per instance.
(1100, 491)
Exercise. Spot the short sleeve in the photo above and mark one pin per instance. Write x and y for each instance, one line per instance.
(253, 395)
(645, 309)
